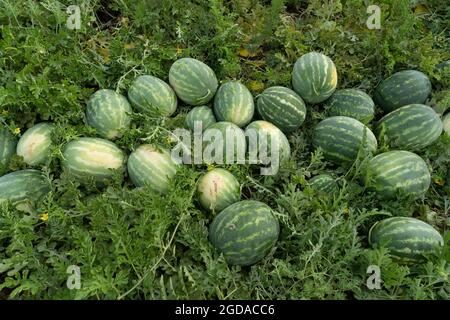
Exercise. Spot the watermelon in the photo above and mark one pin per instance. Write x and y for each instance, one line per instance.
(282, 107)
(92, 158)
(446, 123)
(149, 166)
(109, 113)
(234, 103)
(412, 127)
(398, 173)
(24, 185)
(351, 103)
(340, 139)
(259, 142)
(220, 137)
(244, 232)
(193, 81)
(7, 148)
(401, 89)
(152, 96)
(323, 183)
(202, 114)
(314, 77)
(409, 240)
(34, 145)
(218, 189)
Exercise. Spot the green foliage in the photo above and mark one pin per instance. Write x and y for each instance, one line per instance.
(132, 243)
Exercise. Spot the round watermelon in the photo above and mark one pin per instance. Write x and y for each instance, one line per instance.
(92, 158)
(412, 127)
(245, 232)
(314, 77)
(218, 189)
(282, 107)
(109, 113)
(409, 240)
(446, 123)
(35, 144)
(24, 185)
(401, 89)
(323, 183)
(193, 81)
(224, 142)
(398, 173)
(8, 144)
(203, 115)
(341, 138)
(351, 103)
(152, 96)
(260, 136)
(152, 167)
(234, 103)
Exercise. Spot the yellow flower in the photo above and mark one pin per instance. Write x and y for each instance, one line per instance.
(345, 210)
(210, 167)
(17, 130)
(44, 216)
(439, 181)
(179, 50)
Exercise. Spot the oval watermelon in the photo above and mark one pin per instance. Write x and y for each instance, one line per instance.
(234, 103)
(152, 96)
(351, 103)
(341, 138)
(323, 183)
(314, 77)
(92, 158)
(202, 114)
(412, 127)
(409, 240)
(218, 189)
(8, 144)
(264, 134)
(220, 137)
(24, 185)
(34, 145)
(446, 123)
(193, 81)
(245, 232)
(282, 107)
(149, 166)
(109, 113)
(398, 173)
(401, 89)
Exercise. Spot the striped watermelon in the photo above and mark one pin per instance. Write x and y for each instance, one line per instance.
(398, 173)
(23, 185)
(282, 107)
(218, 189)
(401, 89)
(314, 77)
(409, 240)
(7, 148)
(234, 103)
(152, 96)
(244, 232)
(412, 127)
(259, 142)
(351, 103)
(109, 113)
(149, 166)
(34, 145)
(92, 158)
(203, 114)
(340, 139)
(446, 123)
(193, 81)
(222, 136)
(323, 183)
